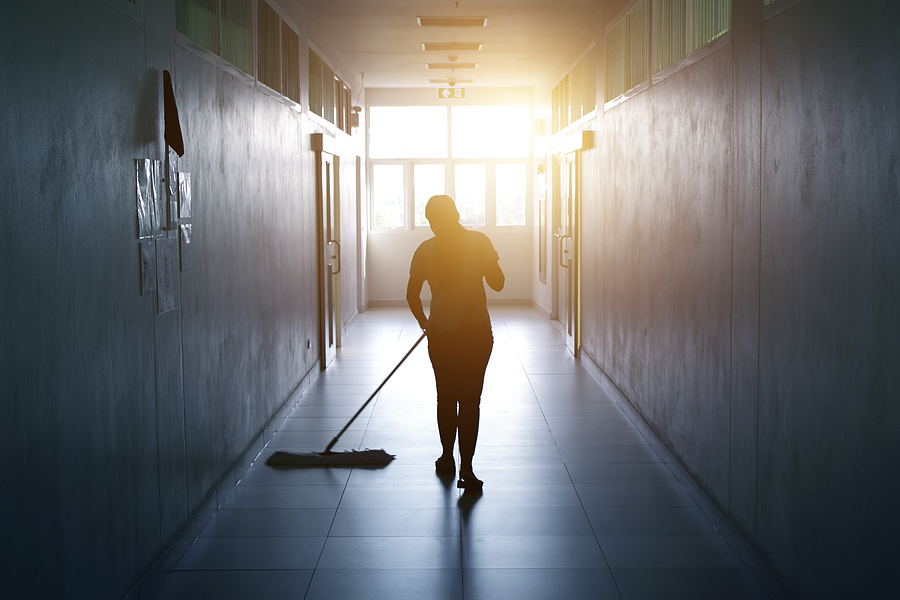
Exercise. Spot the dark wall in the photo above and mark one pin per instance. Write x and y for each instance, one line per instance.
(829, 418)
(116, 422)
(740, 250)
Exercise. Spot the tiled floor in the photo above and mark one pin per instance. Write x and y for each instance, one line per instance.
(576, 503)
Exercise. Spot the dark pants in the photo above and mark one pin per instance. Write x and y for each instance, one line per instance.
(459, 358)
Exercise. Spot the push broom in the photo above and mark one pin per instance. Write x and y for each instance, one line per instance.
(328, 458)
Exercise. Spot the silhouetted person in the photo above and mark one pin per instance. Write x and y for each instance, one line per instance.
(460, 340)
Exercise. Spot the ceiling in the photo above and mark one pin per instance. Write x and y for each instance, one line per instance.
(522, 43)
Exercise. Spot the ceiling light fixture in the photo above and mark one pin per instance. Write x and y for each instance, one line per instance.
(451, 21)
(451, 46)
(451, 65)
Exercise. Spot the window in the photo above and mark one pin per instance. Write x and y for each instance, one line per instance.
(269, 53)
(490, 131)
(387, 195)
(470, 196)
(668, 33)
(224, 27)
(478, 155)
(428, 181)
(708, 20)
(290, 63)
(237, 34)
(199, 20)
(679, 27)
(342, 105)
(576, 94)
(315, 83)
(637, 43)
(408, 132)
(615, 61)
(510, 193)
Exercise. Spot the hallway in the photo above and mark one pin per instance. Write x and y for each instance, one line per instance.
(576, 503)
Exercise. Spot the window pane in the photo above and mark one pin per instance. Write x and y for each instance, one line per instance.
(408, 132)
(387, 195)
(237, 34)
(470, 194)
(510, 195)
(428, 181)
(490, 131)
(199, 20)
(709, 20)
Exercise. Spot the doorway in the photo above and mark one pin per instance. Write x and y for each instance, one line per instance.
(329, 245)
(566, 267)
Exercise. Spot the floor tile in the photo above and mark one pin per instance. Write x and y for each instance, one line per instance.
(610, 453)
(619, 472)
(510, 521)
(633, 494)
(598, 438)
(397, 474)
(534, 495)
(668, 551)
(571, 409)
(235, 585)
(391, 553)
(583, 423)
(344, 411)
(269, 522)
(649, 520)
(322, 423)
(399, 496)
(531, 552)
(253, 553)
(285, 496)
(386, 584)
(688, 584)
(263, 474)
(397, 522)
(539, 584)
(288, 439)
(570, 484)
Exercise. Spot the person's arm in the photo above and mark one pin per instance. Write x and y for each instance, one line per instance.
(413, 298)
(494, 276)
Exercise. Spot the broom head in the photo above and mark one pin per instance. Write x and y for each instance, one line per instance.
(349, 458)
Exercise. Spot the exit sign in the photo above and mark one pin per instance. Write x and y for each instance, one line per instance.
(451, 92)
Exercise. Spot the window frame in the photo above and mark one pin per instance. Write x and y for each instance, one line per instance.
(490, 209)
(690, 56)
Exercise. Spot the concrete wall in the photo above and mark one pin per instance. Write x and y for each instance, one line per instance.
(740, 253)
(116, 422)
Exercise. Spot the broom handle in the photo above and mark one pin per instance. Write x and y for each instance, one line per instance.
(375, 393)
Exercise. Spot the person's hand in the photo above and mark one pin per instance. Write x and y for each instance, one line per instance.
(424, 327)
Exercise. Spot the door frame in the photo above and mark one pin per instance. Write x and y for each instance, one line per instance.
(327, 165)
(569, 149)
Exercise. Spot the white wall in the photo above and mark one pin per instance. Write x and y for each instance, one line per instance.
(390, 252)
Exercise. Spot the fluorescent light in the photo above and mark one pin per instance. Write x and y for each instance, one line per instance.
(451, 46)
(451, 21)
(451, 65)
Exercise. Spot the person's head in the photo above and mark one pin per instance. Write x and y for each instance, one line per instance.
(442, 214)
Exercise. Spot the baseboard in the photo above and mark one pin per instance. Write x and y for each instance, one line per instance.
(149, 583)
(743, 548)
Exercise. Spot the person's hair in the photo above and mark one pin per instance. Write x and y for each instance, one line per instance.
(441, 207)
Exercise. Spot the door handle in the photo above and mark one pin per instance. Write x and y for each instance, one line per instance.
(337, 256)
(561, 251)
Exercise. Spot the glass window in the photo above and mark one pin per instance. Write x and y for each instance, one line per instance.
(470, 185)
(408, 132)
(387, 195)
(510, 181)
(428, 181)
(490, 131)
